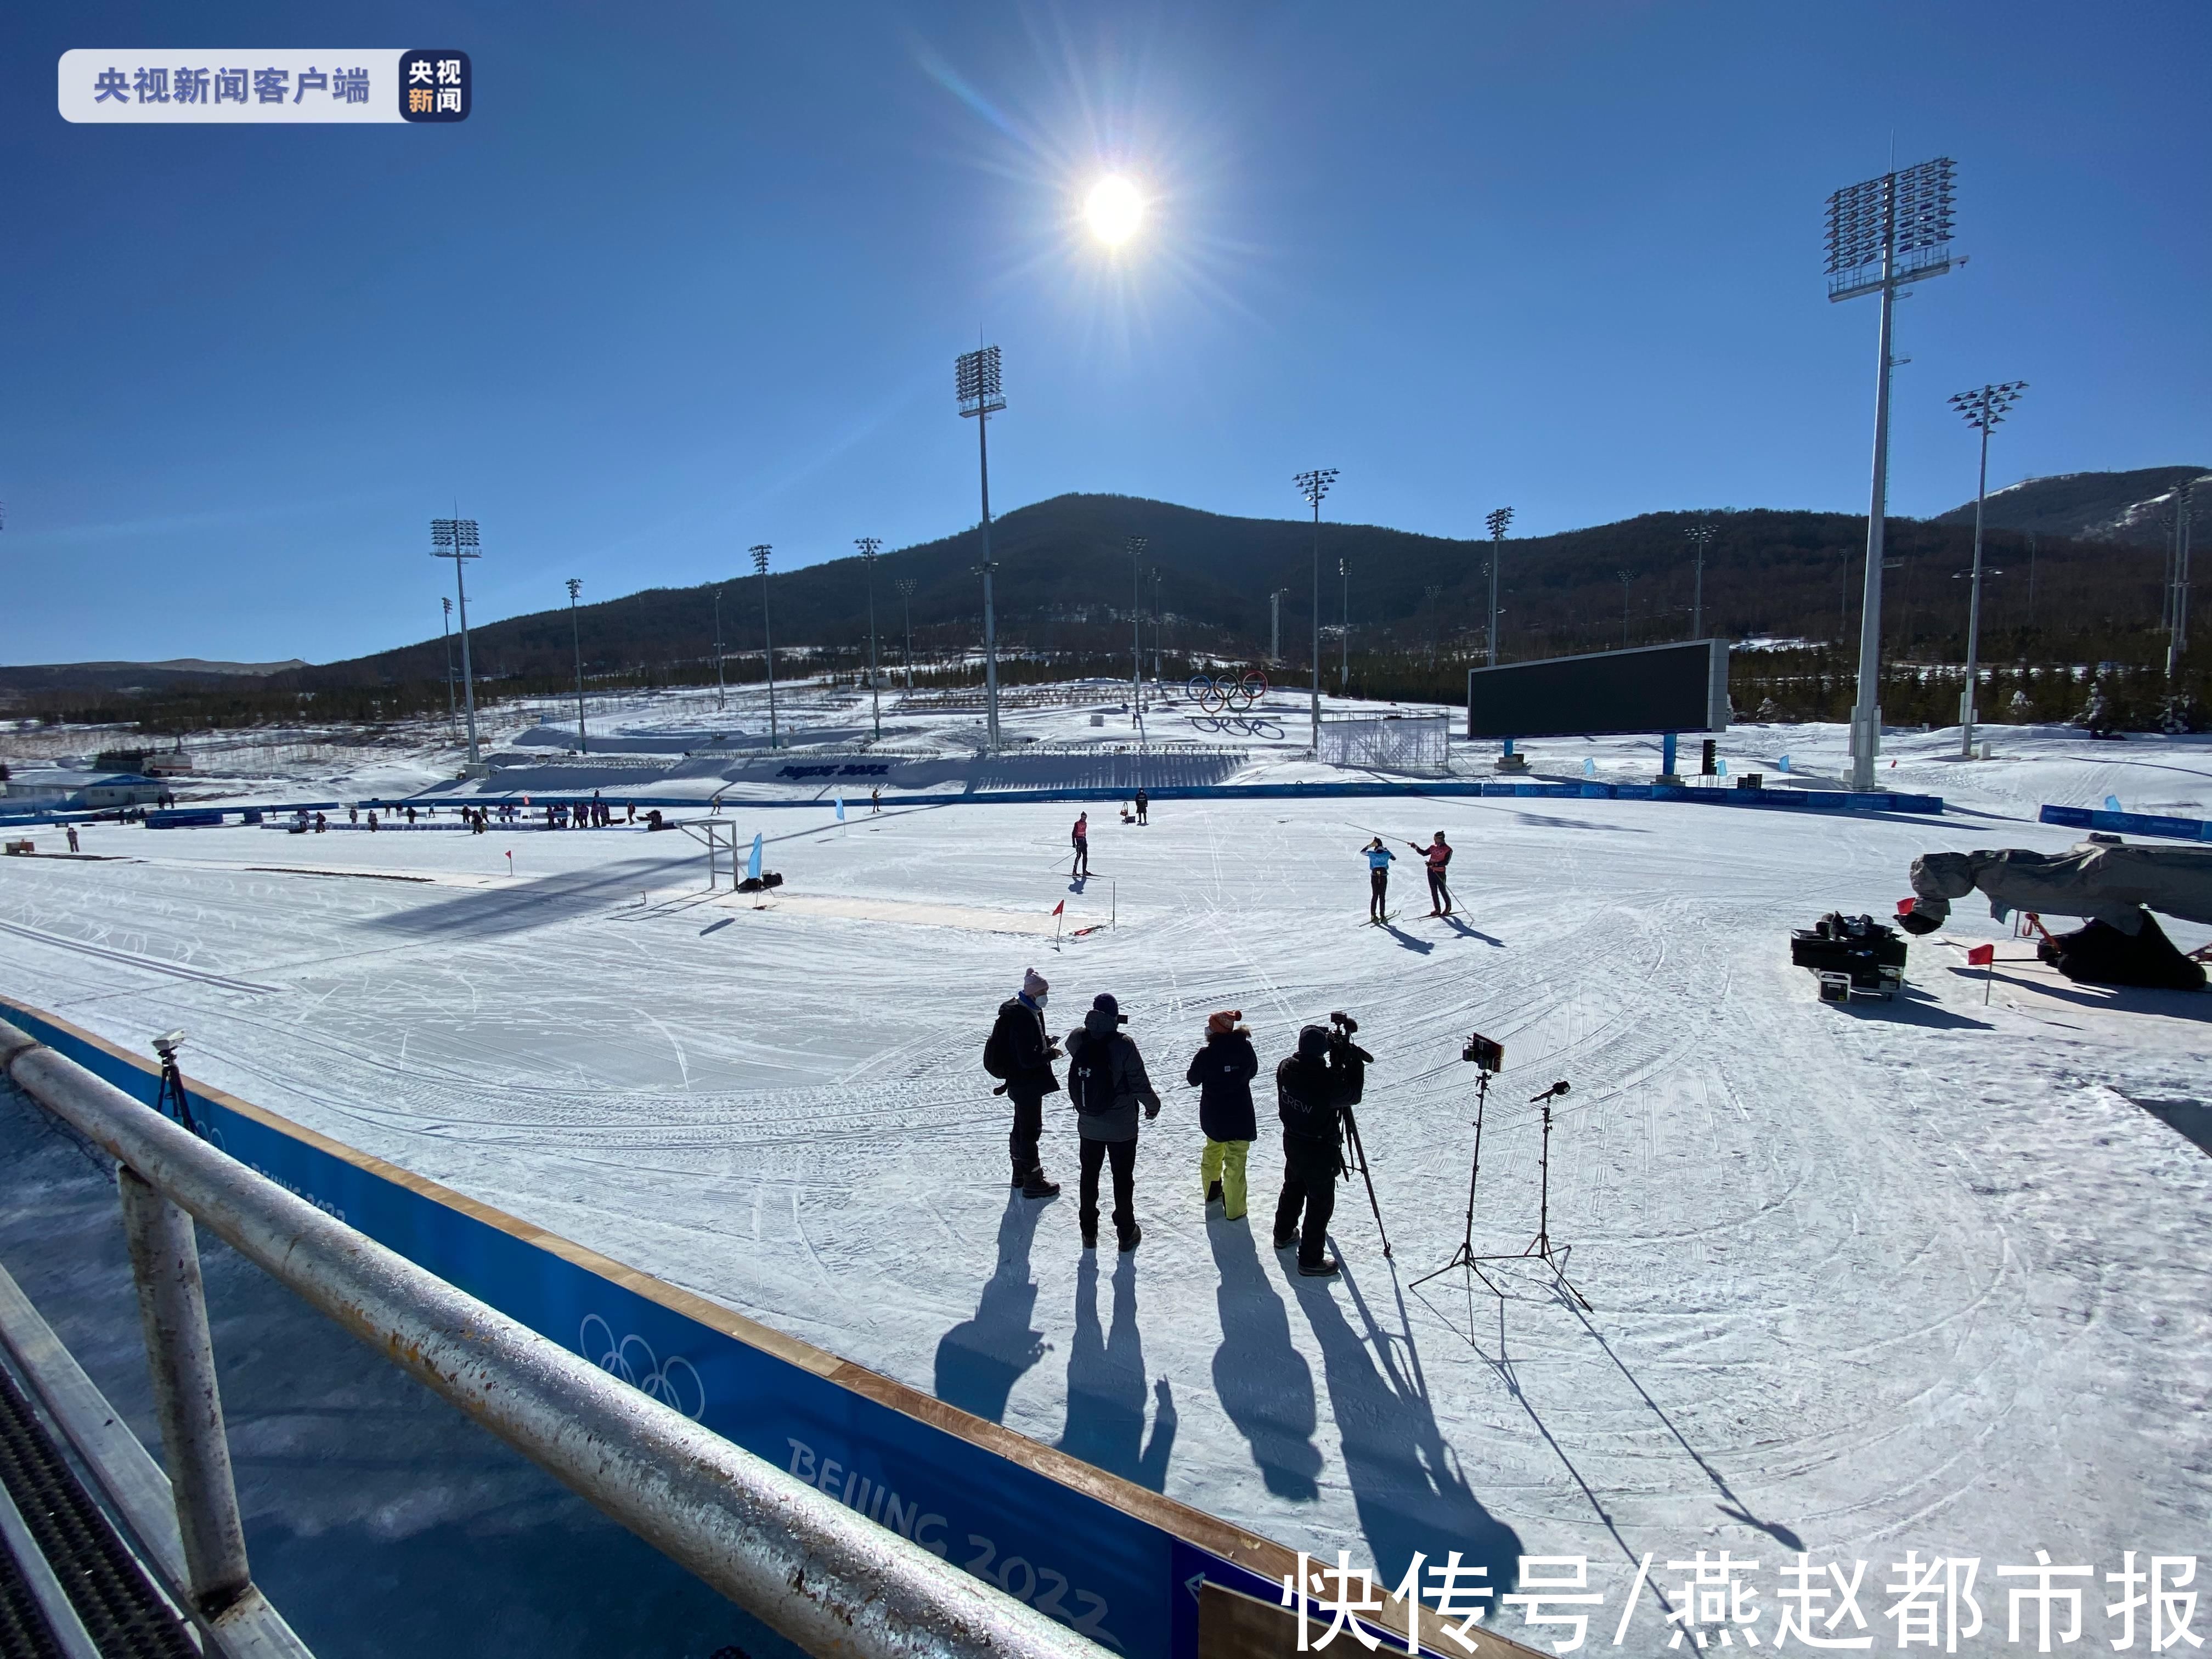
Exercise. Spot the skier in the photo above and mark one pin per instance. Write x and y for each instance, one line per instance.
(875, 801)
(1081, 837)
(1311, 1086)
(1106, 1078)
(1438, 853)
(1143, 801)
(1379, 860)
(1021, 1052)
(71, 832)
(1223, 1072)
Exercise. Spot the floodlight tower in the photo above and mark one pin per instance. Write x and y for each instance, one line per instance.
(2176, 608)
(1314, 486)
(1700, 538)
(1882, 235)
(1344, 640)
(1626, 577)
(768, 641)
(868, 544)
(456, 539)
(906, 598)
(721, 698)
(1498, 522)
(1275, 624)
(445, 634)
(1984, 411)
(1136, 545)
(976, 383)
(576, 638)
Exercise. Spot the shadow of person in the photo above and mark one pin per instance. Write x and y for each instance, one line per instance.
(1075, 883)
(1407, 1483)
(1419, 947)
(1106, 1385)
(1262, 1382)
(1466, 932)
(979, 1360)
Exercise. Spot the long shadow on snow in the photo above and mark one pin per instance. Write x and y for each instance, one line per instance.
(1911, 1008)
(2191, 1119)
(1261, 1380)
(979, 1360)
(1106, 1384)
(538, 902)
(2121, 999)
(1406, 1482)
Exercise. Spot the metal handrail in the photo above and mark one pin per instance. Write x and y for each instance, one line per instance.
(827, 1579)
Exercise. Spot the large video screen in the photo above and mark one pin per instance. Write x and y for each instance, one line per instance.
(1653, 688)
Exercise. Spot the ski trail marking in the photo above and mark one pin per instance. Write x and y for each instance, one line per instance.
(132, 959)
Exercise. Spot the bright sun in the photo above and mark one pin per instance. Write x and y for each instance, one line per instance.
(1113, 208)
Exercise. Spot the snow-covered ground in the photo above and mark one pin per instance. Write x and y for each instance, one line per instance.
(1926, 1275)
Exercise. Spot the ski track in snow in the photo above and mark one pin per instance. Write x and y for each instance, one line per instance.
(1921, 1275)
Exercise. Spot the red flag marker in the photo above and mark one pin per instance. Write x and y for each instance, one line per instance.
(1983, 957)
(1056, 910)
(1904, 906)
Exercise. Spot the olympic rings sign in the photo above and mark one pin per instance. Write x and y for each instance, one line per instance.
(1228, 692)
(673, 1382)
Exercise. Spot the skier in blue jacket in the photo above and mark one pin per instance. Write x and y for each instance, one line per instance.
(1379, 859)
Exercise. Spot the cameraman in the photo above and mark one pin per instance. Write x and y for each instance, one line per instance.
(1312, 1087)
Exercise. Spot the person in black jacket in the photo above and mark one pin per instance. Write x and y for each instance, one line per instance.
(1311, 1087)
(1029, 1052)
(1106, 1077)
(1223, 1072)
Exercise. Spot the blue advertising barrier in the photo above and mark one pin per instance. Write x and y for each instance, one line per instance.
(1120, 1563)
(2128, 823)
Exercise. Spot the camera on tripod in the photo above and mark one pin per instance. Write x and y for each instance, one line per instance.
(1482, 1052)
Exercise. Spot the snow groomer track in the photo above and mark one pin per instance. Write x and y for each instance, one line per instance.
(1920, 1275)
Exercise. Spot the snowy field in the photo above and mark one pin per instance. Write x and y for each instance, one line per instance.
(1924, 1275)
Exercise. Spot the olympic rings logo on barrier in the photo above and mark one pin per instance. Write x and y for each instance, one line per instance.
(633, 1360)
(1228, 693)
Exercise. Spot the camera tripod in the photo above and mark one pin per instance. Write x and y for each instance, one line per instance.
(170, 1099)
(1358, 1161)
(1540, 1248)
(1464, 1255)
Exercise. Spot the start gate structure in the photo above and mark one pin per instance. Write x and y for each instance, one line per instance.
(1416, 744)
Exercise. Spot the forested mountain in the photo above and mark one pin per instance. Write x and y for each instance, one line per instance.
(2097, 506)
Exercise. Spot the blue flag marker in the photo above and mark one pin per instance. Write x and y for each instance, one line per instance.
(1782, 764)
(1723, 767)
(752, 864)
(2112, 803)
(1589, 767)
(841, 808)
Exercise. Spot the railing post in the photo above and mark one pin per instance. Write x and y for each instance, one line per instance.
(165, 1260)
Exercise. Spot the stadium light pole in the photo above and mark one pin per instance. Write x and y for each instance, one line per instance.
(1498, 522)
(868, 544)
(1314, 486)
(1984, 411)
(576, 639)
(445, 634)
(1344, 640)
(1136, 545)
(976, 383)
(2177, 635)
(456, 539)
(721, 697)
(1626, 577)
(1883, 234)
(906, 598)
(768, 640)
(1700, 538)
(1275, 624)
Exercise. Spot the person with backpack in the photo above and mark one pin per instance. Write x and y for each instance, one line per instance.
(1106, 1079)
(1222, 1072)
(1311, 1087)
(1379, 860)
(1020, 1052)
(1144, 804)
(1081, 836)
(1437, 854)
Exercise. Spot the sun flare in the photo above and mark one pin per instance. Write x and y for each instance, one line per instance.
(1113, 209)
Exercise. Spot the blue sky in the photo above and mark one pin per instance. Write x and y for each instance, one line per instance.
(692, 277)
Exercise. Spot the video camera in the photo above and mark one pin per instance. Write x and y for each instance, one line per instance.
(1483, 1052)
